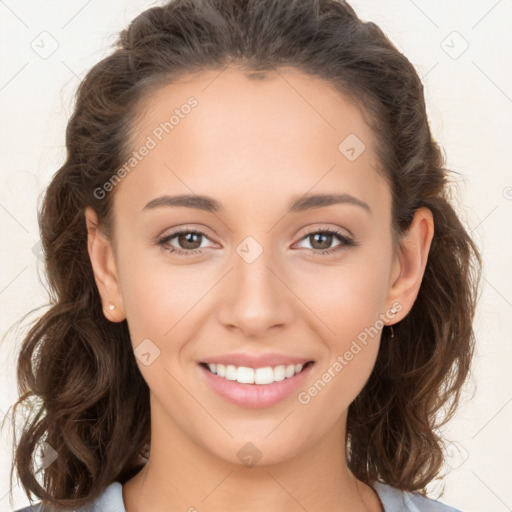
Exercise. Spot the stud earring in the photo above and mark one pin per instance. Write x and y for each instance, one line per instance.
(394, 311)
(111, 306)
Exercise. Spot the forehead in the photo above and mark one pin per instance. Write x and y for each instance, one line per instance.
(284, 103)
(287, 131)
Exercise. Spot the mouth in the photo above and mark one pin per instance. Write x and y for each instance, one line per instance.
(255, 388)
(256, 376)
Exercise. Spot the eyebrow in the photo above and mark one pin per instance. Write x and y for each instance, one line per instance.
(209, 204)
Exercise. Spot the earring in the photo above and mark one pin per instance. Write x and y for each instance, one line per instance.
(394, 311)
(111, 306)
(392, 335)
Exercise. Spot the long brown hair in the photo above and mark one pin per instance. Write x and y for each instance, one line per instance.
(77, 370)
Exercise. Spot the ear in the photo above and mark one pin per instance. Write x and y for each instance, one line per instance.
(103, 264)
(409, 265)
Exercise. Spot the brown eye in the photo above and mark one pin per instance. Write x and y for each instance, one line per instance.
(322, 240)
(188, 242)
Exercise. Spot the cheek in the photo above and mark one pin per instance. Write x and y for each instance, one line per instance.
(348, 302)
(156, 296)
(346, 298)
(347, 319)
(159, 303)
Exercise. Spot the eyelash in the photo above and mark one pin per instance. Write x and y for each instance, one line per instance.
(346, 242)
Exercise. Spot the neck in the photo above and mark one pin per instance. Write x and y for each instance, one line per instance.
(181, 475)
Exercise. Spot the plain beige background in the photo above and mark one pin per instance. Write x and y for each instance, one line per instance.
(462, 51)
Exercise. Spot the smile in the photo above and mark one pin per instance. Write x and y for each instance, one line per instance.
(243, 389)
(260, 376)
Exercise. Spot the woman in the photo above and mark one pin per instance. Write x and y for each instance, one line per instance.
(263, 297)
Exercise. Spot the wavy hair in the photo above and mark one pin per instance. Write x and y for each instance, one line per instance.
(77, 372)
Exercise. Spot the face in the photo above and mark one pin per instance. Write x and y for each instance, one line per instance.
(252, 276)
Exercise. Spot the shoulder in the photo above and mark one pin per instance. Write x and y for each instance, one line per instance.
(394, 499)
(110, 500)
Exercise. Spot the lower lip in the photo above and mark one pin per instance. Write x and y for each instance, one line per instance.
(255, 396)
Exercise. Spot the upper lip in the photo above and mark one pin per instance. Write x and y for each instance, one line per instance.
(255, 361)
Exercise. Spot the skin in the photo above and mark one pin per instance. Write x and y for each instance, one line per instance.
(244, 139)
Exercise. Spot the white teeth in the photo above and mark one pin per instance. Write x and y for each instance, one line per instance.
(246, 375)
(279, 372)
(290, 371)
(231, 372)
(264, 375)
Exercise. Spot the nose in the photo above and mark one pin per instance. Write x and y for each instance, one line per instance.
(256, 296)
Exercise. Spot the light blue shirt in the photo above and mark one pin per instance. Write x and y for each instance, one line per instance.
(393, 500)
